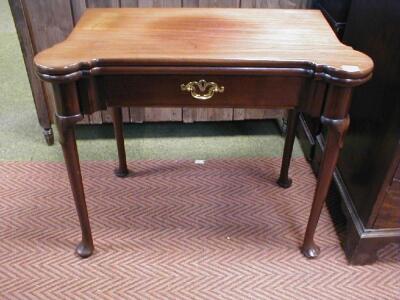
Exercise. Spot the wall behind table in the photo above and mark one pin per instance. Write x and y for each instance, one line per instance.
(42, 23)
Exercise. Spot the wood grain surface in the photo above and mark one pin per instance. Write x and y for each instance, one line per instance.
(251, 58)
(198, 37)
(28, 16)
(209, 114)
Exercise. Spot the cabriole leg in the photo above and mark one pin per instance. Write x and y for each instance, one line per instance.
(336, 131)
(284, 180)
(122, 170)
(66, 130)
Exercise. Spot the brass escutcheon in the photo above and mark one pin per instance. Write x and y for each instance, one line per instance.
(206, 89)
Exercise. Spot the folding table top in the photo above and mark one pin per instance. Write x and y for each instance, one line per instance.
(203, 37)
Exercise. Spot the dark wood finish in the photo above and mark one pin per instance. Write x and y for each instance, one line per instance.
(388, 215)
(164, 91)
(284, 180)
(371, 154)
(122, 170)
(267, 66)
(28, 52)
(335, 117)
(377, 113)
(42, 23)
(160, 40)
(366, 174)
(68, 113)
(335, 12)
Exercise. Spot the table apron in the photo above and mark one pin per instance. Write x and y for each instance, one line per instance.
(165, 91)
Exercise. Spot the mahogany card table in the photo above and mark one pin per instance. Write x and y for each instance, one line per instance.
(240, 58)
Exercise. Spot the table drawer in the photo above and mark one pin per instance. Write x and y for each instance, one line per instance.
(201, 91)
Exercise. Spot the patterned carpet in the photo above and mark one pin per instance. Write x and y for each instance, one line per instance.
(175, 230)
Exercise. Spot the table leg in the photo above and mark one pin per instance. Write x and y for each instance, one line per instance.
(66, 130)
(284, 180)
(122, 170)
(336, 131)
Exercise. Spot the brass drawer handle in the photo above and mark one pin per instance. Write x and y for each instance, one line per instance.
(206, 89)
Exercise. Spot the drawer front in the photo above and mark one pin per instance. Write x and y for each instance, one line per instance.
(201, 91)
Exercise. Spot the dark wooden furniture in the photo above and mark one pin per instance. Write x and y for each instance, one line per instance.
(335, 11)
(287, 59)
(371, 155)
(368, 171)
(42, 23)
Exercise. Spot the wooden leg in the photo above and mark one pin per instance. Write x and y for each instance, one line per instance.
(66, 130)
(284, 180)
(336, 131)
(122, 170)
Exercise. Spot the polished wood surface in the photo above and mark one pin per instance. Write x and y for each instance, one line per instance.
(164, 91)
(198, 37)
(366, 170)
(284, 180)
(122, 169)
(42, 23)
(371, 155)
(117, 58)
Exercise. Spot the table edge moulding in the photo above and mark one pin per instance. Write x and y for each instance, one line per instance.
(287, 59)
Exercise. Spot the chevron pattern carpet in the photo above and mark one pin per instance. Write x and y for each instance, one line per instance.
(175, 230)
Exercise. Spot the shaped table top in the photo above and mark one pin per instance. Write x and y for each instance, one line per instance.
(243, 38)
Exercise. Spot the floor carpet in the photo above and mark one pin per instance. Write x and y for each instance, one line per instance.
(175, 230)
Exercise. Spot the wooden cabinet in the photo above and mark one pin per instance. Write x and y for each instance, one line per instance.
(335, 12)
(368, 170)
(42, 23)
(388, 215)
